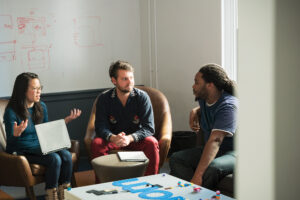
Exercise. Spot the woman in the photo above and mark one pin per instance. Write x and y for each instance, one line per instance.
(24, 110)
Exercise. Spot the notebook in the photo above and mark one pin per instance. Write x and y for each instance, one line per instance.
(133, 156)
(53, 136)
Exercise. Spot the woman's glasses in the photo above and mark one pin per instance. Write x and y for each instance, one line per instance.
(35, 89)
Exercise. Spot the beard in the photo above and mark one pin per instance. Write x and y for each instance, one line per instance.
(201, 94)
(128, 89)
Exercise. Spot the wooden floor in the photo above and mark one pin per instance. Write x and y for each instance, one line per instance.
(4, 196)
(84, 178)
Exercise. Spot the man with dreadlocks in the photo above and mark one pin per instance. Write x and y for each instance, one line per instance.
(216, 117)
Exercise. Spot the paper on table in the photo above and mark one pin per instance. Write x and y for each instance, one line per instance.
(133, 156)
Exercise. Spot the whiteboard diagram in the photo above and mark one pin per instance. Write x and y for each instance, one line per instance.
(35, 57)
(33, 42)
(7, 41)
(30, 29)
(69, 40)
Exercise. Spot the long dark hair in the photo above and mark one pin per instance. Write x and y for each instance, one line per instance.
(18, 98)
(213, 73)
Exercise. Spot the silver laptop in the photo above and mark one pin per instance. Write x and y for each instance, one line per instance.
(53, 136)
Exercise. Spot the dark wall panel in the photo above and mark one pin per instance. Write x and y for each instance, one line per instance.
(60, 104)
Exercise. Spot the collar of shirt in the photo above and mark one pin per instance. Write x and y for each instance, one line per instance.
(114, 93)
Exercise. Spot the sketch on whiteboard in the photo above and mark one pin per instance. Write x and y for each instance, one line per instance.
(7, 51)
(31, 29)
(33, 41)
(7, 40)
(28, 39)
(6, 23)
(35, 57)
(87, 31)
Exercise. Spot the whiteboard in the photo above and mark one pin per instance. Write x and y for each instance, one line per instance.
(68, 43)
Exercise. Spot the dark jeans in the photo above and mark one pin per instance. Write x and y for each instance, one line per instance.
(58, 167)
(184, 163)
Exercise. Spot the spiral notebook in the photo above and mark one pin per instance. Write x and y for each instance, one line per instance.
(132, 156)
(53, 136)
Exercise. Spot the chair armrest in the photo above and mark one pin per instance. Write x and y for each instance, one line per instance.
(75, 147)
(164, 146)
(165, 138)
(89, 136)
(90, 130)
(15, 170)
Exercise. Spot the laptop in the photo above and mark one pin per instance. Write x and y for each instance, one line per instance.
(53, 136)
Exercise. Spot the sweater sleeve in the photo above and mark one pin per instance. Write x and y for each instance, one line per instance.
(45, 112)
(146, 118)
(10, 118)
(102, 126)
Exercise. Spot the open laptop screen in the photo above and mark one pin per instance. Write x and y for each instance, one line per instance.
(53, 136)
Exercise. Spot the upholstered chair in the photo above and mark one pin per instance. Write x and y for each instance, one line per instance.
(17, 171)
(162, 120)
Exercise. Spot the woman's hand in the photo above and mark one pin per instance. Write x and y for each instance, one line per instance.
(18, 130)
(73, 115)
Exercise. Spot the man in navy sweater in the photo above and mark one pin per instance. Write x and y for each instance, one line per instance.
(207, 165)
(124, 118)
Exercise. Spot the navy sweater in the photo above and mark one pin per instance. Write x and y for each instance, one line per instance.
(135, 118)
(28, 141)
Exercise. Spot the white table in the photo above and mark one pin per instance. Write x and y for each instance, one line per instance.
(160, 186)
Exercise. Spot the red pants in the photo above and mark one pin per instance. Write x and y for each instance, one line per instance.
(149, 146)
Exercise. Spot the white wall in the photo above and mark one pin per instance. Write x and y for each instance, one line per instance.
(268, 49)
(255, 142)
(183, 36)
